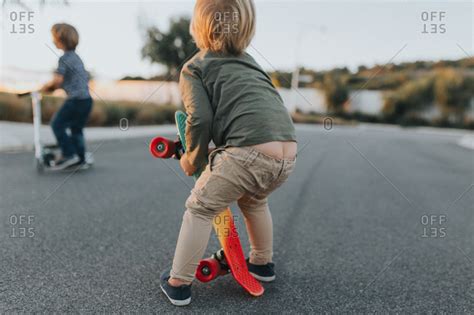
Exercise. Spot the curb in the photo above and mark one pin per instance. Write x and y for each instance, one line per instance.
(17, 137)
(467, 142)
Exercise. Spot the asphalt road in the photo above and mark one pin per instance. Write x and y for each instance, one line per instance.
(376, 220)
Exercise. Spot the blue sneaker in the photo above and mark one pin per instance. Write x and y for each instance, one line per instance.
(264, 273)
(179, 296)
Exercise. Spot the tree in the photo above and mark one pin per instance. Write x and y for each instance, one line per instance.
(361, 68)
(170, 49)
(452, 94)
(410, 97)
(335, 92)
(281, 79)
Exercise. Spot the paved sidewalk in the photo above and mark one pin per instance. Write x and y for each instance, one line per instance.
(465, 138)
(19, 136)
(16, 136)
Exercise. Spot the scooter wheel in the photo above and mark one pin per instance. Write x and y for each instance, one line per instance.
(208, 270)
(48, 158)
(39, 166)
(162, 148)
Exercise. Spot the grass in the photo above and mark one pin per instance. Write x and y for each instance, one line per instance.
(109, 113)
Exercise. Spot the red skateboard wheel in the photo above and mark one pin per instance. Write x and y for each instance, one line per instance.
(208, 270)
(162, 148)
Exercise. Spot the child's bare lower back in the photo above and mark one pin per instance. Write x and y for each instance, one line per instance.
(278, 149)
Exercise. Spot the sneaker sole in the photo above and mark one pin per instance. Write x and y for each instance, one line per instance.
(64, 166)
(83, 166)
(176, 302)
(263, 279)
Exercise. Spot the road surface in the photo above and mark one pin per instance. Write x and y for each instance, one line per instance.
(372, 220)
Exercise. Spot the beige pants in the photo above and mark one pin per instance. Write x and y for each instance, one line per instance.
(239, 174)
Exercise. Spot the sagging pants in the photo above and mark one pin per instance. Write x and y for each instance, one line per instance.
(240, 174)
(73, 115)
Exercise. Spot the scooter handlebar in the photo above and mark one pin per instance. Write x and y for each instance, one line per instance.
(24, 94)
(33, 94)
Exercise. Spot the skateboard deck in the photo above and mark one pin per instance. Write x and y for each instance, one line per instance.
(223, 223)
(226, 233)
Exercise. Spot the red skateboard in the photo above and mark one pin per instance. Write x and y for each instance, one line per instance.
(230, 258)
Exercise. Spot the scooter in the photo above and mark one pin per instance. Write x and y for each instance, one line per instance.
(46, 155)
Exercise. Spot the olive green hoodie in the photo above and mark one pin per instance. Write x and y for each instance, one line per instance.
(231, 101)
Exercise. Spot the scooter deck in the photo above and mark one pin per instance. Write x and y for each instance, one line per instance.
(50, 153)
(226, 232)
(44, 154)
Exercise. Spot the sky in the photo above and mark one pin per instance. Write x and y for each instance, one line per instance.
(316, 34)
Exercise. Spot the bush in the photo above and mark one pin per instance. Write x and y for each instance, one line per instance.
(98, 116)
(315, 118)
(335, 93)
(13, 108)
(49, 106)
(412, 119)
(104, 113)
(411, 96)
(452, 94)
(380, 82)
(363, 117)
(149, 115)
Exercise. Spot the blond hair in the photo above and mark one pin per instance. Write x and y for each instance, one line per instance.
(223, 26)
(66, 34)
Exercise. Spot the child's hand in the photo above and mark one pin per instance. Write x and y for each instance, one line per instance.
(54, 84)
(188, 169)
(45, 89)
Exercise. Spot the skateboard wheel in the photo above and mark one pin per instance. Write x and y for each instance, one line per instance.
(162, 148)
(208, 270)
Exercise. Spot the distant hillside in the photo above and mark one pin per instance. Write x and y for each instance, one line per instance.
(378, 77)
